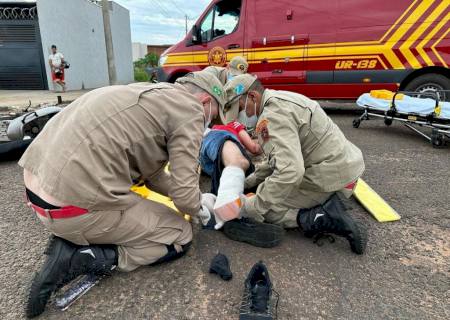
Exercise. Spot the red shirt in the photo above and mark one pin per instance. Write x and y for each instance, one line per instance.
(232, 127)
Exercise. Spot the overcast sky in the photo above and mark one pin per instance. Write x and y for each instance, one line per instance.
(161, 21)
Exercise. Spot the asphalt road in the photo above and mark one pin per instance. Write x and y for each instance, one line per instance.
(405, 273)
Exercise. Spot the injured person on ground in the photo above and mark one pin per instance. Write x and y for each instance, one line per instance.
(309, 166)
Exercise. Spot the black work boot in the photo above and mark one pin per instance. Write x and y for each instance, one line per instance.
(65, 262)
(331, 217)
(256, 301)
(259, 234)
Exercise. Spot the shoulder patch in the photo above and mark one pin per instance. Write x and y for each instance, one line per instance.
(239, 89)
(217, 90)
(262, 130)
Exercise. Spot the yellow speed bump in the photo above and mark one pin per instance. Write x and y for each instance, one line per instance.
(374, 204)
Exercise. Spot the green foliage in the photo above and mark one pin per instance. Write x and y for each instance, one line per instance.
(150, 60)
(140, 75)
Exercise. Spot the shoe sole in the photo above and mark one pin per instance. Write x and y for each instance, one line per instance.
(359, 241)
(262, 235)
(32, 308)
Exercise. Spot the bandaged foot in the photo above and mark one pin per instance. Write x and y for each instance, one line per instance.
(228, 202)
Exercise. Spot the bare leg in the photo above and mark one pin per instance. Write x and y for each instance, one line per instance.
(232, 156)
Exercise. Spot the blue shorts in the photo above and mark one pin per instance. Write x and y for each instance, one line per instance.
(211, 146)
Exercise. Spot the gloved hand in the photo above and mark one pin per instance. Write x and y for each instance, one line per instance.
(244, 199)
(207, 202)
(219, 222)
(242, 213)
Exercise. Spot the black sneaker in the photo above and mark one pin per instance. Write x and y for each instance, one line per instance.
(256, 302)
(65, 262)
(331, 217)
(258, 234)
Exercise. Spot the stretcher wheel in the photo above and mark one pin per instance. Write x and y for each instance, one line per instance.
(356, 123)
(387, 121)
(437, 141)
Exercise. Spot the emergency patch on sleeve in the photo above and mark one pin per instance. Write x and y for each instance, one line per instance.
(239, 89)
(262, 130)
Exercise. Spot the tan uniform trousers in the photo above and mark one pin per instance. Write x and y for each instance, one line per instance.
(286, 217)
(141, 232)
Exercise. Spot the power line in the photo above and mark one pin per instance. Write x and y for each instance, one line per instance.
(162, 10)
(162, 4)
(176, 7)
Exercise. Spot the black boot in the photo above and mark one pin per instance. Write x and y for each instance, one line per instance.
(65, 262)
(259, 234)
(256, 302)
(331, 217)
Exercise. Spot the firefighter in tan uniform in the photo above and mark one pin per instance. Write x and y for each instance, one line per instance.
(237, 66)
(308, 161)
(79, 170)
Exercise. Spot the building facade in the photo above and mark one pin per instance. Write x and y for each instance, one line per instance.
(76, 28)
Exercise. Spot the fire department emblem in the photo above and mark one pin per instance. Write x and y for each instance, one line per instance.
(217, 57)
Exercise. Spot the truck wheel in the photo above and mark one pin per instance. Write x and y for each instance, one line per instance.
(430, 82)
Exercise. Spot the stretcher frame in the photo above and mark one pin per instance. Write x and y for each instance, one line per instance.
(440, 128)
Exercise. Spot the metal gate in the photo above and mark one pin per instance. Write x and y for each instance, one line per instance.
(21, 58)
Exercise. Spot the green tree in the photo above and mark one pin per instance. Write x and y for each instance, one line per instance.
(150, 60)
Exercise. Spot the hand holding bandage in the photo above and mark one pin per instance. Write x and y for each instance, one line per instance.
(207, 202)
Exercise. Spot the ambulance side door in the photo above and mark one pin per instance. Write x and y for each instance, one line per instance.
(220, 33)
(276, 44)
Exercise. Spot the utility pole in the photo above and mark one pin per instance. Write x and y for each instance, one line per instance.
(186, 17)
(109, 43)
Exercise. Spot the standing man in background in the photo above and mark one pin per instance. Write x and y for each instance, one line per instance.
(56, 62)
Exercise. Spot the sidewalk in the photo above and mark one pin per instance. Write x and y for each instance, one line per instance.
(12, 100)
(18, 99)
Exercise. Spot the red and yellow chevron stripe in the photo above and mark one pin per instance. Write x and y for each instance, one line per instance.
(411, 42)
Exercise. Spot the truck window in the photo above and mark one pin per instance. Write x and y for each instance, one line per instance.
(223, 19)
(207, 26)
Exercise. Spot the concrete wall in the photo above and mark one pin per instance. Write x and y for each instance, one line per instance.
(76, 28)
(139, 50)
(158, 49)
(121, 32)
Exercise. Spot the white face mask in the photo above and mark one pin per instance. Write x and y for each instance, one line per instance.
(230, 77)
(249, 122)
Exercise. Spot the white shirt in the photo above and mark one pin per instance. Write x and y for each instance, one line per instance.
(56, 59)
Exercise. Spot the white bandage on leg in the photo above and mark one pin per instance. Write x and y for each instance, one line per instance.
(231, 188)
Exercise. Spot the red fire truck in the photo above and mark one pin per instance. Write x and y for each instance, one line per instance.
(322, 48)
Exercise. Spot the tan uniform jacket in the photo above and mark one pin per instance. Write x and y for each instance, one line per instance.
(305, 150)
(91, 153)
(219, 72)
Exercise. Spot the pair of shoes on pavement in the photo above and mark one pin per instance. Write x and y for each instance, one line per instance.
(330, 218)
